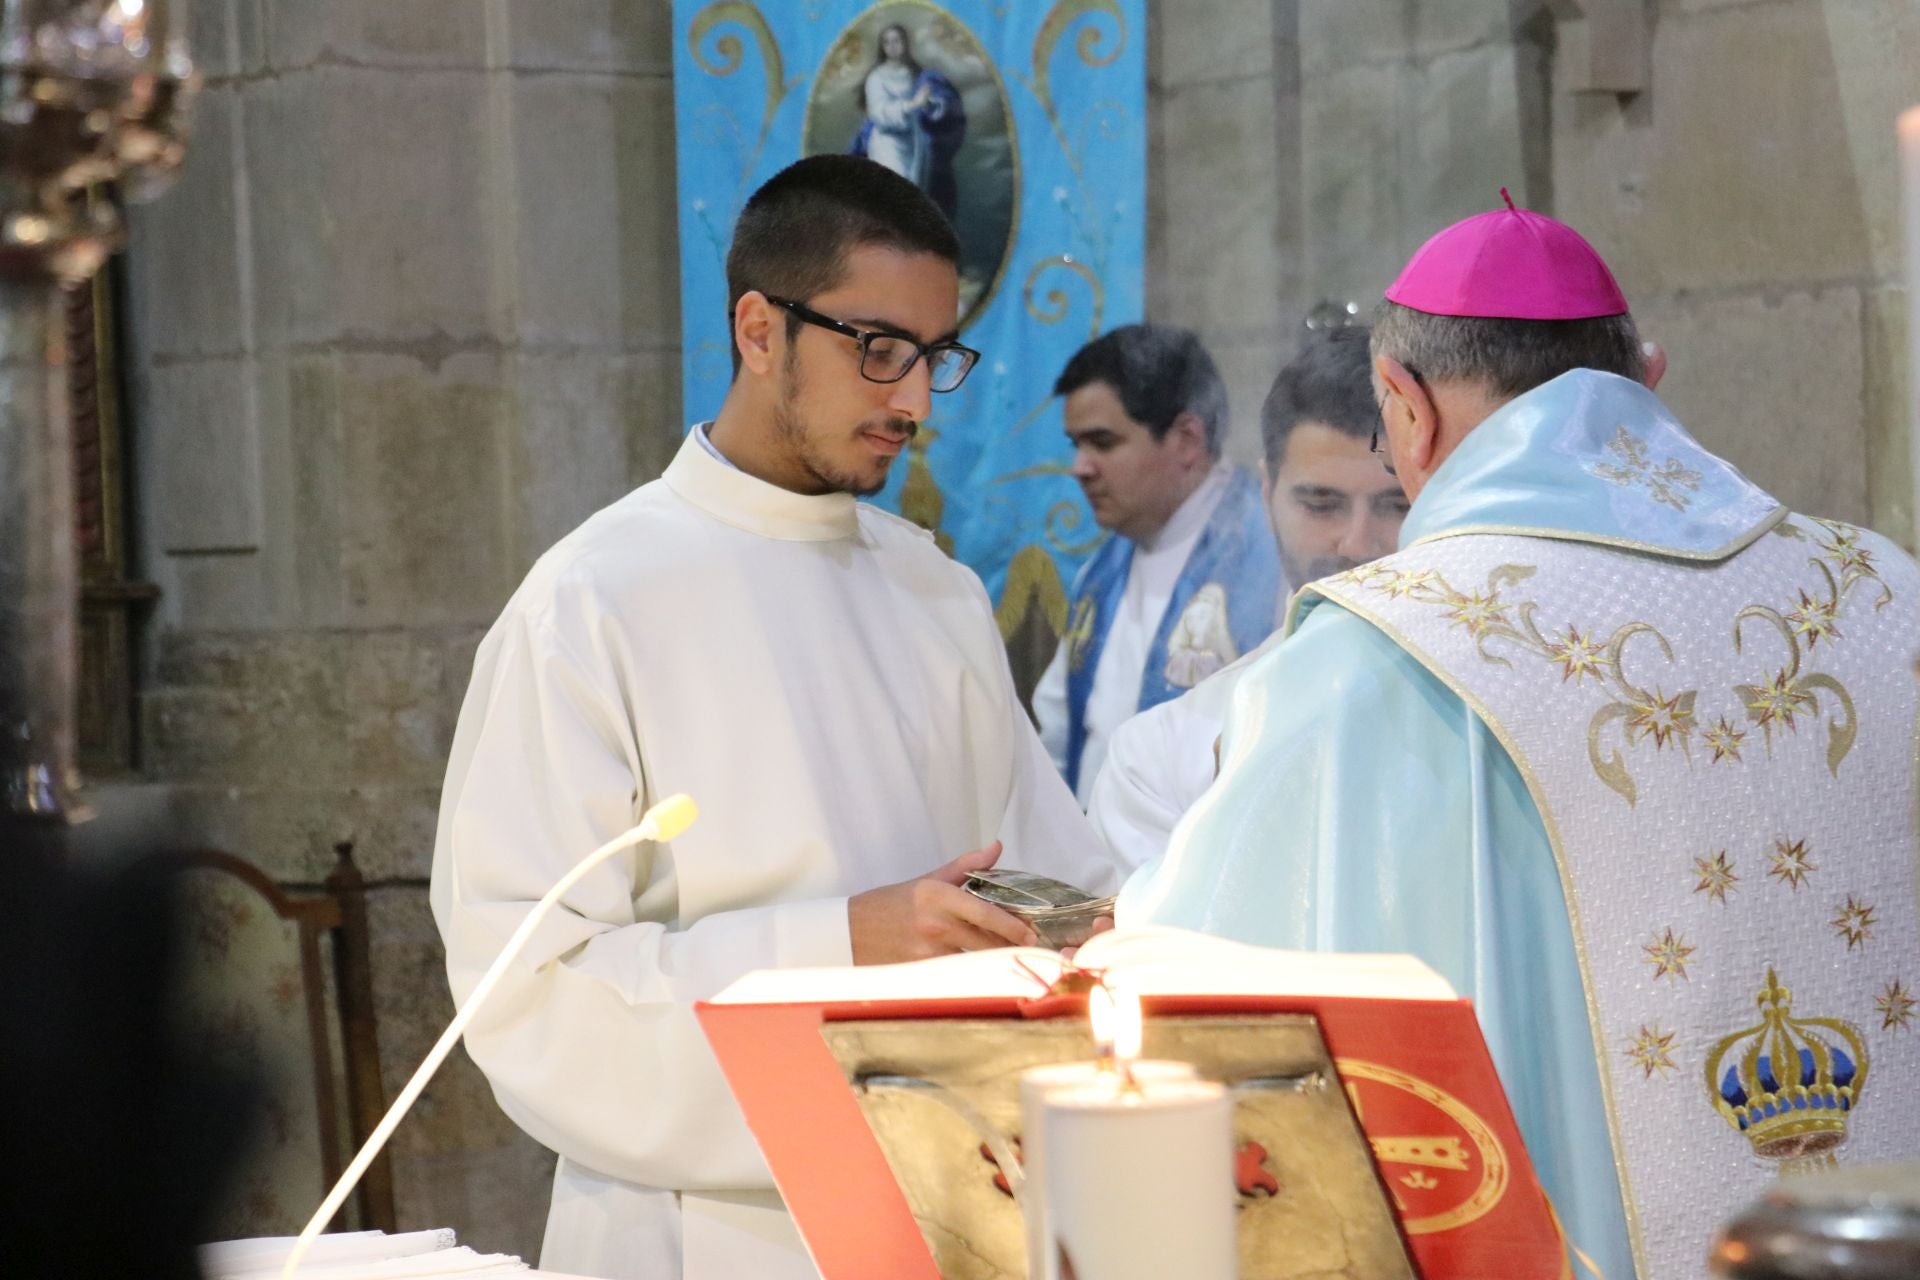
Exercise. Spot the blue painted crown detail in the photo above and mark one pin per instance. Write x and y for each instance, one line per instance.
(1789, 1084)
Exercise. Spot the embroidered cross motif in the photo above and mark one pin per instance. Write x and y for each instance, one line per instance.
(1636, 470)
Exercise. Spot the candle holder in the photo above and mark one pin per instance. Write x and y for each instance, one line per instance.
(1310, 1201)
(91, 91)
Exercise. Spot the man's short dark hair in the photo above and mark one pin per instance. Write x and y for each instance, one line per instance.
(1159, 372)
(793, 237)
(1508, 357)
(1329, 381)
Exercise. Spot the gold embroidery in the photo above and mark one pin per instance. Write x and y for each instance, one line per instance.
(1717, 879)
(1661, 718)
(1790, 864)
(1789, 1083)
(1895, 1006)
(1855, 562)
(1636, 470)
(1775, 703)
(1669, 954)
(1854, 923)
(1651, 1051)
(1578, 656)
(1725, 741)
(1778, 702)
(1814, 619)
(1079, 633)
(1487, 616)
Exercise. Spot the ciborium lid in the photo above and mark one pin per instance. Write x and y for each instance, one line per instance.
(1860, 1223)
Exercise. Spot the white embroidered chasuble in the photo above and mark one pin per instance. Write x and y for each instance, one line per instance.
(833, 692)
(1632, 769)
(1723, 751)
(1733, 828)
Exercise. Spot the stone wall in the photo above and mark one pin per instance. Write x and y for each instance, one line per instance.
(1749, 202)
(1222, 146)
(412, 312)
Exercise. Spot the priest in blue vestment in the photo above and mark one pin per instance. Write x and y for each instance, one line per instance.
(1615, 742)
(1190, 580)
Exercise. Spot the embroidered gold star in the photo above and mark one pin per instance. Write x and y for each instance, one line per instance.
(1790, 863)
(1854, 560)
(1405, 584)
(1815, 619)
(1725, 740)
(1776, 702)
(1651, 1051)
(1854, 923)
(1578, 656)
(1896, 1006)
(1476, 612)
(1668, 954)
(1661, 718)
(1716, 876)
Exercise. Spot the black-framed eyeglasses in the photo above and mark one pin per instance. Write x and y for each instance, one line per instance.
(888, 357)
(1373, 445)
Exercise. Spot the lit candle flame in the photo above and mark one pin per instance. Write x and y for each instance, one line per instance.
(1116, 1025)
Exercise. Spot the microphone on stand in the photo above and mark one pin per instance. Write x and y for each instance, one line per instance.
(661, 823)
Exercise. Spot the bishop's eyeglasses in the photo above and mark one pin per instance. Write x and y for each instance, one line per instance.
(888, 357)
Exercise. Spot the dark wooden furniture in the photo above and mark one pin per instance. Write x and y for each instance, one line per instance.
(330, 927)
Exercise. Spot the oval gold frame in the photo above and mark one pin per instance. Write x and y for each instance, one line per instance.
(992, 291)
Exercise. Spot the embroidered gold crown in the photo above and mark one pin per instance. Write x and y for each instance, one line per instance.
(1790, 1083)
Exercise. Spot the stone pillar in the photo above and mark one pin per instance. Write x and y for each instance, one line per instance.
(1222, 207)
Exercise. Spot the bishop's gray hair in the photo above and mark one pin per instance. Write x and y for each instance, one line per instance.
(1508, 357)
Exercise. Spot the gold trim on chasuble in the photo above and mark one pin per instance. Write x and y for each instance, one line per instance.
(1732, 547)
(1539, 796)
(1797, 1121)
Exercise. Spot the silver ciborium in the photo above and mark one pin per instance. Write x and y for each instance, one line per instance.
(91, 91)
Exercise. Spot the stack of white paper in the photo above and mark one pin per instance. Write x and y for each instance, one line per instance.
(363, 1255)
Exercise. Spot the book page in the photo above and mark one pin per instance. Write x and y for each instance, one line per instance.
(1151, 961)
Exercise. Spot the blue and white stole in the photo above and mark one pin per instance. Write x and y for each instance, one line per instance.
(1222, 606)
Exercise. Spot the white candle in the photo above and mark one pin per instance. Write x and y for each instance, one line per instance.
(1035, 1084)
(1910, 188)
(1139, 1181)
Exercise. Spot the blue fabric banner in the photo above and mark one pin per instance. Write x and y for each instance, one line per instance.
(1026, 121)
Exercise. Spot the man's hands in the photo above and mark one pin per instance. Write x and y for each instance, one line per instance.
(932, 916)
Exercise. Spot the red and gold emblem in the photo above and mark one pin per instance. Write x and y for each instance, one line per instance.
(1443, 1164)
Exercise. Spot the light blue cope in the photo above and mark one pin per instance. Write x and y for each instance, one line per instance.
(1362, 806)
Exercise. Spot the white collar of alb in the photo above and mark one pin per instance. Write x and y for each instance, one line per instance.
(732, 496)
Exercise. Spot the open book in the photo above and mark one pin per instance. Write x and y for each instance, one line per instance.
(1409, 1053)
(1146, 962)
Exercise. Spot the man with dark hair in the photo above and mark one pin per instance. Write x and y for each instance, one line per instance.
(1616, 743)
(1332, 508)
(1190, 581)
(827, 685)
